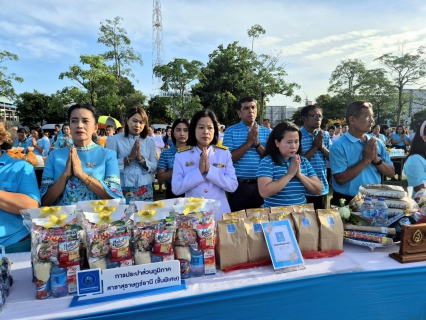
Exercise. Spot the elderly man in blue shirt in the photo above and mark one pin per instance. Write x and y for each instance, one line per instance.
(356, 158)
(18, 190)
(246, 141)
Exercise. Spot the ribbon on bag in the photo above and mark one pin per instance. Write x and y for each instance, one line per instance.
(146, 215)
(155, 205)
(199, 199)
(55, 220)
(193, 207)
(47, 211)
(104, 214)
(282, 216)
(256, 220)
(98, 203)
(303, 207)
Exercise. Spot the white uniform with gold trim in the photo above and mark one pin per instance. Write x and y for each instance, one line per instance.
(221, 177)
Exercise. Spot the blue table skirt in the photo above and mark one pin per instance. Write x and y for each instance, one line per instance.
(385, 294)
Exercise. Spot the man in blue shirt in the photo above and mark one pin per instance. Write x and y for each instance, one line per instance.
(356, 158)
(246, 141)
(315, 145)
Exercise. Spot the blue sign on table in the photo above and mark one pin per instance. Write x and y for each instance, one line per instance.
(89, 281)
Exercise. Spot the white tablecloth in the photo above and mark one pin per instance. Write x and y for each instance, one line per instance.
(22, 304)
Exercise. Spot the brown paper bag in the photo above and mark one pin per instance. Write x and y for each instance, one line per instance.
(257, 248)
(307, 230)
(283, 213)
(331, 229)
(234, 215)
(303, 207)
(232, 243)
(257, 213)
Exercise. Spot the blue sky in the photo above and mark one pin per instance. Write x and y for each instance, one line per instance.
(314, 36)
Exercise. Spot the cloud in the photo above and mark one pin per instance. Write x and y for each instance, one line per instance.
(43, 47)
(21, 30)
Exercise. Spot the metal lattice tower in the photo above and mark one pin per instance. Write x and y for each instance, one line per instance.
(157, 43)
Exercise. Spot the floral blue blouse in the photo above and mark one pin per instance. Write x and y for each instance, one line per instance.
(96, 161)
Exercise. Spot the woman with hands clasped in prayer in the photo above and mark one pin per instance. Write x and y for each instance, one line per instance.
(284, 176)
(84, 171)
(136, 156)
(203, 169)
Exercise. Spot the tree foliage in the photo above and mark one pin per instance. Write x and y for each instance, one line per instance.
(38, 108)
(159, 110)
(254, 32)
(177, 76)
(333, 107)
(6, 80)
(94, 76)
(418, 118)
(405, 69)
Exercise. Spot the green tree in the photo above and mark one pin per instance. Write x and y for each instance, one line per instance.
(225, 79)
(94, 79)
(159, 110)
(38, 108)
(123, 57)
(135, 98)
(254, 32)
(333, 107)
(347, 79)
(177, 76)
(417, 119)
(6, 80)
(404, 69)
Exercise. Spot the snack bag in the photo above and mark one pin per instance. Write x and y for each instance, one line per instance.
(306, 225)
(31, 157)
(206, 236)
(331, 229)
(257, 248)
(232, 243)
(258, 213)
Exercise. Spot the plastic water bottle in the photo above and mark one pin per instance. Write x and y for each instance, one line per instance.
(367, 209)
(382, 213)
(197, 263)
(59, 283)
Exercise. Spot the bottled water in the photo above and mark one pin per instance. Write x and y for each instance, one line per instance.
(59, 283)
(382, 213)
(197, 263)
(367, 209)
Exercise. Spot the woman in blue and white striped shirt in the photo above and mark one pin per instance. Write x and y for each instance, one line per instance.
(284, 176)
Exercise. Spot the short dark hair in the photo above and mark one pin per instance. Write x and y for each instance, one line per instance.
(418, 146)
(192, 140)
(21, 130)
(175, 124)
(40, 132)
(266, 120)
(243, 100)
(278, 133)
(130, 113)
(305, 110)
(83, 106)
(332, 128)
(337, 125)
(355, 109)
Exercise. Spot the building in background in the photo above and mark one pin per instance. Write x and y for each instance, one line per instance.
(8, 110)
(417, 100)
(277, 114)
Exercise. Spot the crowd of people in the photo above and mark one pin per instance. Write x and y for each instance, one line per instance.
(245, 165)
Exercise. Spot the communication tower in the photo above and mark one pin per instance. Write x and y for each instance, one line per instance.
(157, 44)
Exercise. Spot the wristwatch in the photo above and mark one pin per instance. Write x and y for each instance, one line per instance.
(257, 145)
(142, 162)
(378, 163)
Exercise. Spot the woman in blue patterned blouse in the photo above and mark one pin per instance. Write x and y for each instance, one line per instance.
(84, 171)
(284, 176)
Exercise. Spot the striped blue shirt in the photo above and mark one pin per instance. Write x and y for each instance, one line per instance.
(318, 160)
(235, 137)
(294, 192)
(167, 158)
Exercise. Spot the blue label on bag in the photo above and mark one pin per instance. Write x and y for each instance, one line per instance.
(231, 228)
(330, 221)
(257, 227)
(306, 222)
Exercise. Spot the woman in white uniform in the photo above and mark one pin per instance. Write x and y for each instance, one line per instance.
(203, 169)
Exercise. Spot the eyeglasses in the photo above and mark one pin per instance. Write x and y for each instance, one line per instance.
(315, 116)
